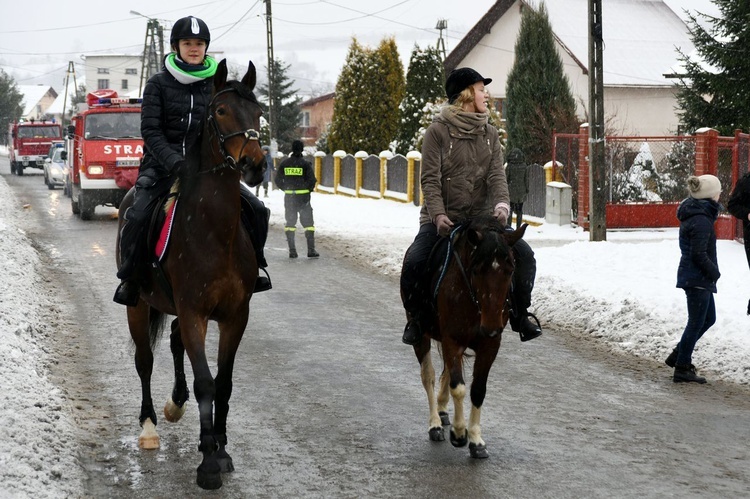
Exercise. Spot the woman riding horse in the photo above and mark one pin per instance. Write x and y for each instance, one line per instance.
(462, 177)
(174, 104)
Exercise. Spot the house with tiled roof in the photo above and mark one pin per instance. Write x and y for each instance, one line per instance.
(640, 42)
(316, 115)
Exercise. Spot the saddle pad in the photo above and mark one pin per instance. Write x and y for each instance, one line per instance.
(166, 229)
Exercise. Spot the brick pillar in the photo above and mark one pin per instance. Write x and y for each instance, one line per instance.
(583, 177)
(706, 151)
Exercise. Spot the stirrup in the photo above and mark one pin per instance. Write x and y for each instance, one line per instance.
(262, 283)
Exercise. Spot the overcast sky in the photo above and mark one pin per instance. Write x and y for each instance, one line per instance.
(311, 35)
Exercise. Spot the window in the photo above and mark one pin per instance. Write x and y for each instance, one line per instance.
(102, 71)
(304, 119)
(131, 71)
(124, 84)
(100, 84)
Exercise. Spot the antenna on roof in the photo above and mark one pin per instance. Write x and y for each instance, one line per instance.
(441, 25)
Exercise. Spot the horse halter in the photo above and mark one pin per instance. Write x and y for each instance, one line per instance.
(250, 134)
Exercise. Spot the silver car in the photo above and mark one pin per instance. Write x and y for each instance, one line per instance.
(55, 168)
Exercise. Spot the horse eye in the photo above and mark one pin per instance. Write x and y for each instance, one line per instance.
(221, 111)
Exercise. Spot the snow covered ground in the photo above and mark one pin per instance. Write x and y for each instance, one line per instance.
(620, 292)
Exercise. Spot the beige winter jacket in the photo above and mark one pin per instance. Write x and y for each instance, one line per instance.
(462, 167)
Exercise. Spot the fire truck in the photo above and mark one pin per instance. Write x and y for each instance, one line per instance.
(30, 142)
(104, 151)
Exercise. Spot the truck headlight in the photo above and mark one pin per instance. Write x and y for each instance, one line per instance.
(96, 170)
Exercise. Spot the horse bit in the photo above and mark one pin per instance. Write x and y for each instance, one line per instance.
(250, 134)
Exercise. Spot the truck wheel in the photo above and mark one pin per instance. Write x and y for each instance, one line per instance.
(12, 167)
(85, 206)
(74, 205)
(19, 169)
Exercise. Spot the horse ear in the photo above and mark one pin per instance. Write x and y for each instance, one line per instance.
(512, 237)
(475, 237)
(220, 78)
(249, 78)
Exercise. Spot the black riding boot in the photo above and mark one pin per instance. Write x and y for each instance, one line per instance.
(686, 374)
(412, 331)
(310, 236)
(520, 322)
(292, 246)
(128, 290)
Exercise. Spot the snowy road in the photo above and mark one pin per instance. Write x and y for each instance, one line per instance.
(327, 401)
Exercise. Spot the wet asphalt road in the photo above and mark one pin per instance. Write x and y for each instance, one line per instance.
(327, 402)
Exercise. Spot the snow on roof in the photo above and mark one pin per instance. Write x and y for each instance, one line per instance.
(32, 94)
(640, 38)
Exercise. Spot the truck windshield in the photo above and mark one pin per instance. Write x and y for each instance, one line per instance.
(29, 132)
(113, 126)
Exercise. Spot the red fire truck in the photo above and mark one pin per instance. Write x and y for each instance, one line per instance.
(30, 142)
(105, 149)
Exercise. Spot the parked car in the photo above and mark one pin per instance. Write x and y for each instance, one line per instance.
(55, 168)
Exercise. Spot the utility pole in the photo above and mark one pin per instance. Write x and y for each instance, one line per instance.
(71, 70)
(271, 79)
(597, 172)
(441, 25)
(153, 51)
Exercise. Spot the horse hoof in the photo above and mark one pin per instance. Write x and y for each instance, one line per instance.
(478, 451)
(445, 420)
(173, 412)
(149, 439)
(225, 461)
(458, 442)
(437, 434)
(208, 481)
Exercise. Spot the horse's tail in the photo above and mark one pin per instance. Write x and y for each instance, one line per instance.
(157, 321)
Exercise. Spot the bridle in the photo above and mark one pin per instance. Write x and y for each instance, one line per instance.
(249, 134)
(451, 252)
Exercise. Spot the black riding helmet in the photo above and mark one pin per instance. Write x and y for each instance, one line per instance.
(189, 27)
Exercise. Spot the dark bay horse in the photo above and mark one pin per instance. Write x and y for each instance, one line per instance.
(211, 269)
(471, 309)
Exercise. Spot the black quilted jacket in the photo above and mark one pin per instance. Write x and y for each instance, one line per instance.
(171, 115)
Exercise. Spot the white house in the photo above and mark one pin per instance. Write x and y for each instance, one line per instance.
(640, 41)
(36, 100)
(119, 72)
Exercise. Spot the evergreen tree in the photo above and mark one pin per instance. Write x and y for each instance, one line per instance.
(539, 99)
(345, 123)
(286, 110)
(712, 91)
(425, 81)
(368, 92)
(10, 103)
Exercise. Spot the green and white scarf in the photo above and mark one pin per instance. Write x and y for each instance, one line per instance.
(190, 73)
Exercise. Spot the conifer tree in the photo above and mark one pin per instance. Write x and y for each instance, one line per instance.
(368, 92)
(539, 99)
(10, 102)
(286, 112)
(712, 92)
(425, 82)
(345, 121)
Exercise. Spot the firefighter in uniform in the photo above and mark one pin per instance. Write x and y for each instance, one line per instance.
(174, 105)
(296, 178)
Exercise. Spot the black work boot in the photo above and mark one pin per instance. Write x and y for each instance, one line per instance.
(686, 374)
(412, 332)
(311, 253)
(127, 293)
(526, 329)
(671, 360)
(292, 247)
